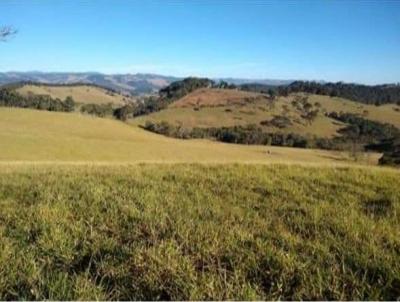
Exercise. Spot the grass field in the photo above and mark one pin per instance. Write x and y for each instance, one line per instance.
(209, 108)
(83, 94)
(95, 208)
(199, 232)
(31, 135)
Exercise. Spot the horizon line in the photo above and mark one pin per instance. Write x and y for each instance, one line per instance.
(200, 76)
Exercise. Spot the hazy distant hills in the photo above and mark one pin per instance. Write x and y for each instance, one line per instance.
(126, 83)
(272, 82)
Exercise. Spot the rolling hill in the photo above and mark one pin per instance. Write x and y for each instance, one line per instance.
(207, 107)
(31, 135)
(82, 94)
(206, 97)
(91, 206)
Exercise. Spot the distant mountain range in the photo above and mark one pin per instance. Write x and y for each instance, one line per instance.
(135, 84)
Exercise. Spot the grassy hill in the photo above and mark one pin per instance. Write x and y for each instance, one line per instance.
(83, 94)
(224, 108)
(95, 208)
(206, 97)
(199, 232)
(31, 135)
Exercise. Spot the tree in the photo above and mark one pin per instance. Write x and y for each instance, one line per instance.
(69, 104)
(6, 32)
(272, 93)
(123, 112)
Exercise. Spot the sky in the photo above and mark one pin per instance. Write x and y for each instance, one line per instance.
(351, 41)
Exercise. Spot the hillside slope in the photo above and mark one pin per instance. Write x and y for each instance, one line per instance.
(206, 108)
(84, 94)
(30, 135)
(206, 97)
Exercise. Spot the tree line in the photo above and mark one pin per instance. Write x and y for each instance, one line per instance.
(360, 134)
(20, 84)
(376, 95)
(249, 134)
(363, 130)
(10, 98)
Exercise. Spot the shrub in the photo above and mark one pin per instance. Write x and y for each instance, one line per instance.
(277, 121)
(100, 110)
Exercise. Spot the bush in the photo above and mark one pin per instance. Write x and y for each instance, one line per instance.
(100, 110)
(277, 121)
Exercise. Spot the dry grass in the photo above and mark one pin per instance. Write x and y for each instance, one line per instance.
(225, 108)
(81, 94)
(245, 113)
(82, 218)
(30, 135)
(384, 113)
(216, 97)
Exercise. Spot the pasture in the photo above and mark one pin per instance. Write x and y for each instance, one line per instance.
(32, 135)
(202, 232)
(82, 94)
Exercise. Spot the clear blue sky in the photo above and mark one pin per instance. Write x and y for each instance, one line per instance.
(352, 41)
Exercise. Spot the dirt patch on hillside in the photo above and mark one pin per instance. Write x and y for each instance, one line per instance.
(206, 97)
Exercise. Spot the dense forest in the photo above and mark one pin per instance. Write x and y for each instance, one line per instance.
(10, 98)
(179, 89)
(377, 95)
(363, 130)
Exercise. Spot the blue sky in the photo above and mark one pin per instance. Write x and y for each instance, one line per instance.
(352, 41)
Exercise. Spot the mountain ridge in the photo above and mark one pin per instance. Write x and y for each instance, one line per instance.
(127, 83)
